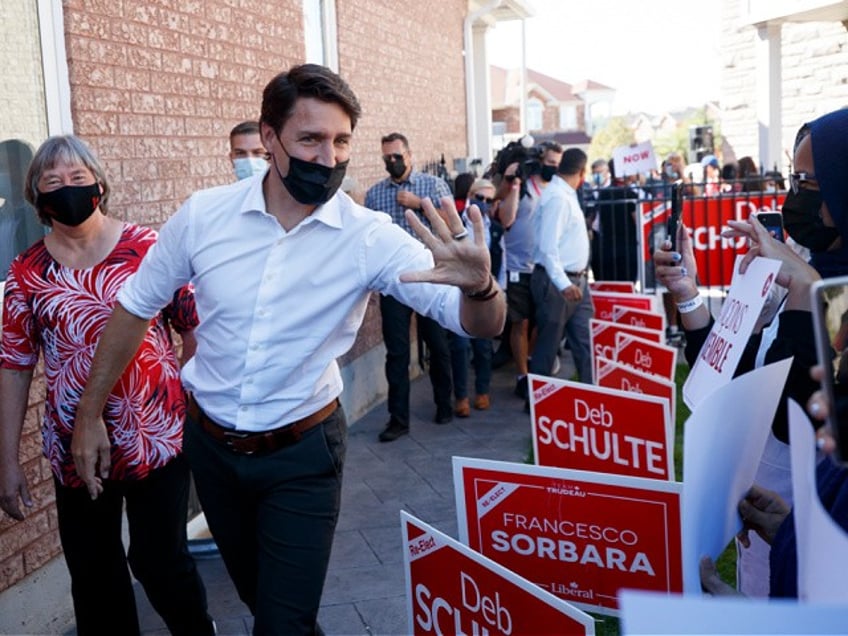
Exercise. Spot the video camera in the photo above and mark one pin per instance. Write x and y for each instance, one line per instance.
(527, 155)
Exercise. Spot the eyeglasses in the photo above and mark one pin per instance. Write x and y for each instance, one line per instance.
(392, 158)
(797, 178)
(482, 199)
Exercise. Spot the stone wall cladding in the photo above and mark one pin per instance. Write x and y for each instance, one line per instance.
(814, 78)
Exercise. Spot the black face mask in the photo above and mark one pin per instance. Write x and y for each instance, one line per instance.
(69, 205)
(396, 168)
(548, 173)
(803, 221)
(311, 183)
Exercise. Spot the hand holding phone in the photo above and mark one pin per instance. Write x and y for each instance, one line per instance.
(773, 222)
(830, 321)
(673, 222)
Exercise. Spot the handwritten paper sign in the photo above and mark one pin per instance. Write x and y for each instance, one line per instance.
(634, 159)
(726, 341)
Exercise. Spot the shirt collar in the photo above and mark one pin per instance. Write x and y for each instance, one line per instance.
(329, 214)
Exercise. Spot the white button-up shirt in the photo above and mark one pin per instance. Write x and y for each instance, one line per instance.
(277, 308)
(562, 242)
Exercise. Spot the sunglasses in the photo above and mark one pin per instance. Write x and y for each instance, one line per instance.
(392, 158)
(482, 199)
(797, 178)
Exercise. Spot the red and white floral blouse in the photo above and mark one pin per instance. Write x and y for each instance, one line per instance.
(60, 312)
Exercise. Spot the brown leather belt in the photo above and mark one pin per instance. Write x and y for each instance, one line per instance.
(249, 443)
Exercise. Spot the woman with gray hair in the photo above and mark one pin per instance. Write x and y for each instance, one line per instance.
(59, 294)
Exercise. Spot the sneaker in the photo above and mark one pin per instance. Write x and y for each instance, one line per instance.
(521, 387)
(462, 408)
(393, 430)
(481, 402)
(557, 366)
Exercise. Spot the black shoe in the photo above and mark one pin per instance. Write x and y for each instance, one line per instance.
(393, 430)
(443, 416)
(521, 388)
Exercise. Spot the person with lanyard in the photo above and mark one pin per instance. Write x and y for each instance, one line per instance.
(283, 268)
(516, 210)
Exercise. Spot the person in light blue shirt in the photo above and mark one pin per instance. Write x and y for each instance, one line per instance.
(559, 281)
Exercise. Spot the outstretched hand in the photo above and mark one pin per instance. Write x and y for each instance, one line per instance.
(459, 261)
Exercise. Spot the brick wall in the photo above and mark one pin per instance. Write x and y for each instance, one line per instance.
(156, 87)
(815, 78)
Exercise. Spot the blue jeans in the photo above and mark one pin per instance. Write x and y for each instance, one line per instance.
(482, 361)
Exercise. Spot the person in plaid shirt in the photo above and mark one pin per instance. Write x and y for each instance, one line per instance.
(404, 189)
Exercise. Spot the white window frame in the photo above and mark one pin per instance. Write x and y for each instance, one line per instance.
(328, 44)
(535, 114)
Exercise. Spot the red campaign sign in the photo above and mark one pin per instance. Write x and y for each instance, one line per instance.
(602, 338)
(638, 318)
(451, 589)
(619, 376)
(650, 357)
(622, 287)
(583, 536)
(705, 219)
(604, 302)
(585, 427)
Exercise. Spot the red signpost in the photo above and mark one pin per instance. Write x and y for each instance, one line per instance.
(584, 427)
(453, 590)
(582, 536)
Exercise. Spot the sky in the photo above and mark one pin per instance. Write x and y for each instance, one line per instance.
(659, 55)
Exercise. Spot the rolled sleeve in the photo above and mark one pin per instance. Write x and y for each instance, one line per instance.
(165, 268)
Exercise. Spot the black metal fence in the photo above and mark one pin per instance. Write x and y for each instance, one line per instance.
(628, 223)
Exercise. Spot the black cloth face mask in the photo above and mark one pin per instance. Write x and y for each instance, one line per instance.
(548, 173)
(396, 168)
(311, 183)
(803, 221)
(70, 205)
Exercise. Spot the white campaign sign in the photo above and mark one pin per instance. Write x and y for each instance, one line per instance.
(722, 444)
(653, 613)
(822, 545)
(634, 159)
(719, 357)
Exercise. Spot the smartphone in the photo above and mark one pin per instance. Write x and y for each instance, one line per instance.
(673, 222)
(773, 221)
(830, 322)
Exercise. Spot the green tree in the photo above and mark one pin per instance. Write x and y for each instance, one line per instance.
(615, 133)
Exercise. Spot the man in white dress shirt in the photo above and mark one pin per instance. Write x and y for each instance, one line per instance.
(558, 284)
(283, 265)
